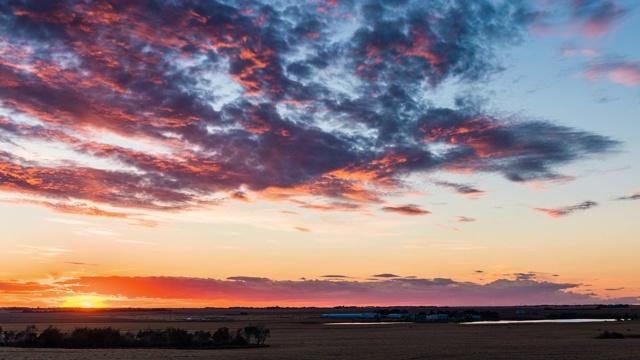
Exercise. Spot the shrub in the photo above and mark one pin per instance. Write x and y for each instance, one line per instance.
(51, 337)
(95, 338)
(221, 336)
(610, 335)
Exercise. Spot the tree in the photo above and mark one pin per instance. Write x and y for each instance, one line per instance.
(28, 336)
(259, 332)
(51, 337)
(221, 336)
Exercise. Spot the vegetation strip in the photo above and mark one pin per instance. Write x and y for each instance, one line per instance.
(108, 337)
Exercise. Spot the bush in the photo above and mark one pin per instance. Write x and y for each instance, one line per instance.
(51, 337)
(610, 335)
(221, 336)
(95, 338)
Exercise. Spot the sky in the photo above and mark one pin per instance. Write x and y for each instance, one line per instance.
(192, 153)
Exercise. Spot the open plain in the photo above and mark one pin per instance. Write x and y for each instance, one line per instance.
(302, 333)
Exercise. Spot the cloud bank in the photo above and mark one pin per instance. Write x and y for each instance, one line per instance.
(253, 291)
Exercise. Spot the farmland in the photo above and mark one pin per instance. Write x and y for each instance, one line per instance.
(297, 333)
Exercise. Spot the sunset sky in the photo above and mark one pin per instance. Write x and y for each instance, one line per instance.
(193, 153)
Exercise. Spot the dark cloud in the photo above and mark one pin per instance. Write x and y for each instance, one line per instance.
(567, 210)
(525, 276)
(635, 196)
(234, 98)
(479, 271)
(335, 276)
(385, 275)
(464, 219)
(410, 210)
(250, 279)
(461, 188)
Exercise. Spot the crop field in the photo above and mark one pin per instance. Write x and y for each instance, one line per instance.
(297, 334)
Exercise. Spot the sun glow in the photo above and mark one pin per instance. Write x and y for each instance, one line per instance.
(85, 302)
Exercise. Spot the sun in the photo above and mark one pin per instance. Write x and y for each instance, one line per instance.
(84, 301)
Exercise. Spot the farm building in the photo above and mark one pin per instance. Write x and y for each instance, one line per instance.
(352, 316)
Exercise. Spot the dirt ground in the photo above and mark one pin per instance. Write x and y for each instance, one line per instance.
(296, 335)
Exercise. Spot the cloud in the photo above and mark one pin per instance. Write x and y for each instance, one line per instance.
(76, 208)
(620, 72)
(334, 276)
(445, 227)
(386, 275)
(632, 197)
(80, 263)
(587, 18)
(302, 229)
(410, 210)
(567, 210)
(464, 219)
(399, 291)
(596, 18)
(461, 188)
(171, 106)
(525, 276)
(15, 287)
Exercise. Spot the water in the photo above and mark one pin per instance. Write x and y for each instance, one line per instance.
(370, 323)
(561, 321)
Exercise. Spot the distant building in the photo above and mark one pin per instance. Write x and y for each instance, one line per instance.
(435, 317)
(397, 316)
(520, 312)
(352, 316)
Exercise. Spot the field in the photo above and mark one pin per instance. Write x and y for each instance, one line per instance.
(302, 333)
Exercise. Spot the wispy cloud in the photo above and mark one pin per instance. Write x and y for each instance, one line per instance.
(620, 72)
(80, 263)
(463, 189)
(386, 275)
(632, 197)
(586, 18)
(302, 229)
(410, 209)
(596, 17)
(567, 210)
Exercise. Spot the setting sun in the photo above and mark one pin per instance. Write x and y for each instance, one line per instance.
(86, 302)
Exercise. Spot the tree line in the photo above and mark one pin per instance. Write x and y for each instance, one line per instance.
(108, 337)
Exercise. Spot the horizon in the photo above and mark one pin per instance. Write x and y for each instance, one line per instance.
(277, 153)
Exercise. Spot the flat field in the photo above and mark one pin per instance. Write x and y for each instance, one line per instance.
(303, 334)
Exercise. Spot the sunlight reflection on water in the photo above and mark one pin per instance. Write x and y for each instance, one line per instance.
(370, 323)
(538, 321)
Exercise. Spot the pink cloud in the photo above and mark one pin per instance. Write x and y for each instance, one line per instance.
(625, 73)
